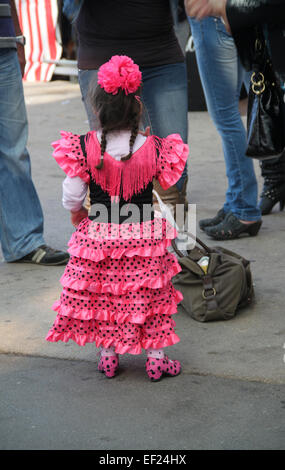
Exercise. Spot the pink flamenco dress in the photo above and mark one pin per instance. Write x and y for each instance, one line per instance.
(117, 290)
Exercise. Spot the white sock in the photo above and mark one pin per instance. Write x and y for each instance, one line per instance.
(107, 351)
(156, 353)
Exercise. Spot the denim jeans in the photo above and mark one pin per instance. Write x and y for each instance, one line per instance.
(21, 217)
(222, 76)
(164, 97)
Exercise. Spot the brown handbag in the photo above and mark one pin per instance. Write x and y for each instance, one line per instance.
(221, 291)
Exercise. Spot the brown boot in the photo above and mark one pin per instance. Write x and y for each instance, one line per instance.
(171, 197)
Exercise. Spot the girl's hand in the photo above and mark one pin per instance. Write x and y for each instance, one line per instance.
(77, 216)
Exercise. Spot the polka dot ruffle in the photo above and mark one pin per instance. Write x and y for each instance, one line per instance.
(96, 241)
(112, 295)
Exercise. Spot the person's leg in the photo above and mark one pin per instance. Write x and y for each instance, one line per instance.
(85, 78)
(109, 362)
(21, 217)
(158, 364)
(157, 333)
(165, 99)
(222, 76)
(273, 172)
(273, 191)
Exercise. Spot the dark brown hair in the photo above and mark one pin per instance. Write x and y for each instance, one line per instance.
(115, 113)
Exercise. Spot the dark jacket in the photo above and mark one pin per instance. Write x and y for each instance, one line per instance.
(246, 16)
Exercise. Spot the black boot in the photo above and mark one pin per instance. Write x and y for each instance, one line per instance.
(273, 191)
(271, 195)
(203, 223)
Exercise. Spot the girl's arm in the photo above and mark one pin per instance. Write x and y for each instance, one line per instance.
(77, 216)
(73, 197)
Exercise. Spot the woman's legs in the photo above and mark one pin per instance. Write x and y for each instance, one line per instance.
(85, 77)
(166, 102)
(222, 76)
(21, 216)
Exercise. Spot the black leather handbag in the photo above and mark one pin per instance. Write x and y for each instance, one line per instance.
(266, 113)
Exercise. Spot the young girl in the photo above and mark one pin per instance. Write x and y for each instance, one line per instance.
(117, 289)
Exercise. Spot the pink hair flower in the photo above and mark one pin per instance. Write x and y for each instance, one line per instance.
(120, 72)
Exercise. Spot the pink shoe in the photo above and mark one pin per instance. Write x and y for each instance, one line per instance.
(155, 368)
(108, 365)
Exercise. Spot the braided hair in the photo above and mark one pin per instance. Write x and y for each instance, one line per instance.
(103, 148)
(115, 113)
(134, 133)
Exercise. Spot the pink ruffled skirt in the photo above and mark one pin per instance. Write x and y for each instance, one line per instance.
(117, 288)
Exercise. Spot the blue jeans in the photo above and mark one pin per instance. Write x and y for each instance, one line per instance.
(21, 217)
(164, 97)
(222, 76)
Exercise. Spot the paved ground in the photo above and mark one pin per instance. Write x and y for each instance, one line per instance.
(231, 392)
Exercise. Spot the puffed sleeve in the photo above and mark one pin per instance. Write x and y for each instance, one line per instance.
(172, 157)
(69, 156)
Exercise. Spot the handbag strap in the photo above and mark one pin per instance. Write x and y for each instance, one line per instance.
(209, 292)
(260, 50)
(196, 239)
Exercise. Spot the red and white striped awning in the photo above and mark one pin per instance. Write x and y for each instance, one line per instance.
(39, 23)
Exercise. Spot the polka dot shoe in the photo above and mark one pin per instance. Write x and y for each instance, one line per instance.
(108, 365)
(155, 368)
